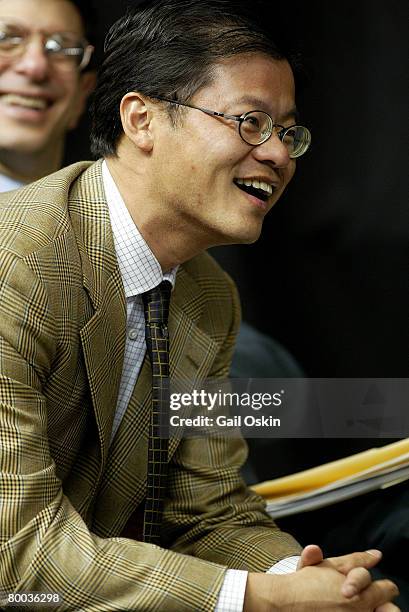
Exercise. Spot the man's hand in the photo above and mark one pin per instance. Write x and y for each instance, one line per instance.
(315, 588)
(354, 566)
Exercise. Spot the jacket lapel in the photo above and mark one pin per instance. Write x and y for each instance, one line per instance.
(103, 336)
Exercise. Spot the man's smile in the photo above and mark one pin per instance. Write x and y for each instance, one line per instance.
(30, 106)
(258, 187)
(27, 101)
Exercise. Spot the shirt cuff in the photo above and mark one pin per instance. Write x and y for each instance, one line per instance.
(285, 566)
(231, 596)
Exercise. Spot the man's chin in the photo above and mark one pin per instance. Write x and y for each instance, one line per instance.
(249, 239)
(245, 234)
(24, 142)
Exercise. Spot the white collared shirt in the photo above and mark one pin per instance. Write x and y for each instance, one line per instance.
(7, 183)
(140, 271)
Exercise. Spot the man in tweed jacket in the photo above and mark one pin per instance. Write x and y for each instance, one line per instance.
(73, 454)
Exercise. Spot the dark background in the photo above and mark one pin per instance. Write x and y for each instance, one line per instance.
(332, 260)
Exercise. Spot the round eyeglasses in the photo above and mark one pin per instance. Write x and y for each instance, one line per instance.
(255, 127)
(63, 48)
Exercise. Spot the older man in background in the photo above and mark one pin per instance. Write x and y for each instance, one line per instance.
(44, 52)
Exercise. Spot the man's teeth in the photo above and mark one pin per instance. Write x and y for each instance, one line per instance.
(26, 101)
(256, 185)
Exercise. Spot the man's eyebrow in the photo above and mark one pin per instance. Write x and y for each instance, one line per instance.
(259, 104)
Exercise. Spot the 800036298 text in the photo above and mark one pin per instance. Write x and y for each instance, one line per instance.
(32, 600)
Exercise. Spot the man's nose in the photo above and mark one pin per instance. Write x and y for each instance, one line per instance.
(34, 62)
(273, 150)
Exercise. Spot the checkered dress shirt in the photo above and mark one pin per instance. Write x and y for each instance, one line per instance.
(141, 271)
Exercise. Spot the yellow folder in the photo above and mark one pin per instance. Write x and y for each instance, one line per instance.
(397, 452)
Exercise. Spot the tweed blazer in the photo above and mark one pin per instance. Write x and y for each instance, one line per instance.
(66, 493)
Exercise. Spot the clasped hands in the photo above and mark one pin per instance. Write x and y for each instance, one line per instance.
(335, 584)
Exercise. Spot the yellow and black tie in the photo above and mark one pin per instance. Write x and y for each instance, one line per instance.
(156, 306)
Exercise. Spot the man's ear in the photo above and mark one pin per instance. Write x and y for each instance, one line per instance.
(136, 117)
(86, 85)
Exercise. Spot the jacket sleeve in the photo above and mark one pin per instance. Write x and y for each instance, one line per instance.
(211, 513)
(45, 545)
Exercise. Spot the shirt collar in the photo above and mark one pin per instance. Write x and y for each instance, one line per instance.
(7, 183)
(140, 270)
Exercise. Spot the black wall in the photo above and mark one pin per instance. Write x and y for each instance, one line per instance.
(332, 261)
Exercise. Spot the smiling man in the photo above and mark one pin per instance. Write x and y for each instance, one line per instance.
(43, 86)
(194, 114)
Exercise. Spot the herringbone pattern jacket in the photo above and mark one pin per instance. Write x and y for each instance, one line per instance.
(66, 494)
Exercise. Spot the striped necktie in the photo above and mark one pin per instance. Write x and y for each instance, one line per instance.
(156, 307)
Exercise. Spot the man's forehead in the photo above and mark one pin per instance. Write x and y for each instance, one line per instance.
(48, 14)
(261, 104)
(256, 81)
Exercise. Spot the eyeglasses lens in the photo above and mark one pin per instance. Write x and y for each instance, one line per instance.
(62, 48)
(256, 127)
(297, 140)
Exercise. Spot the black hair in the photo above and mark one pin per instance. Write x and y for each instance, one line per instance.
(169, 48)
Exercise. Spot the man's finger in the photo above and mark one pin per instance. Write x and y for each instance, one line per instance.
(388, 607)
(356, 581)
(346, 563)
(311, 555)
(382, 592)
